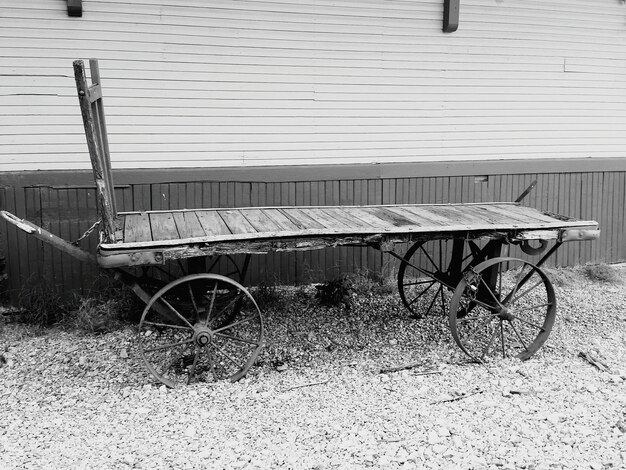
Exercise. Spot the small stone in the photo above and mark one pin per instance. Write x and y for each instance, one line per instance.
(434, 438)
(393, 342)
(128, 460)
(385, 378)
(163, 389)
(126, 392)
(124, 354)
(190, 431)
(83, 361)
(204, 454)
(439, 449)
(281, 367)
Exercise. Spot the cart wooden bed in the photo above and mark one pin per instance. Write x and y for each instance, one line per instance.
(198, 325)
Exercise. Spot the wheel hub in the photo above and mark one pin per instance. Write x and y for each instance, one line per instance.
(504, 314)
(203, 336)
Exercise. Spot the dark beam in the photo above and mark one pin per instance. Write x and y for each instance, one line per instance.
(450, 15)
(75, 8)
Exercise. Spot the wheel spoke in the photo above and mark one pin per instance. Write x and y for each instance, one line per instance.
(518, 335)
(493, 296)
(432, 302)
(236, 338)
(170, 364)
(532, 307)
(193, 301)
(215, 261)
(523, 320)
(421, 270)
(175, 312)
(230, 304)
(486, 316)
(527, 291)
(225, 354)
(489, 343)
(165, 325)
(418, 283)
(192, 369)
(232, 325)
(168, 346)
(443, 302)
(432, 283)
(208, 313)
(438, 268)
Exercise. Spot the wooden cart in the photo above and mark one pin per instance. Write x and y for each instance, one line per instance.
(206, 326)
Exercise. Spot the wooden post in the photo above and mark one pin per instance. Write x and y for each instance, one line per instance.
(97, 108)
(96, 144)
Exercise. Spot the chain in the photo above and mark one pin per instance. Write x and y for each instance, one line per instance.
(87, 232)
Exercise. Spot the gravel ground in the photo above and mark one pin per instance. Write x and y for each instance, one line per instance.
(318, 400)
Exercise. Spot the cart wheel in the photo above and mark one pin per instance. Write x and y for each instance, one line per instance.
(196, 329)
(512, 312)
(429, 271)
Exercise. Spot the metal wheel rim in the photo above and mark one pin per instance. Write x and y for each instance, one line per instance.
(524, 323)
(202, 336)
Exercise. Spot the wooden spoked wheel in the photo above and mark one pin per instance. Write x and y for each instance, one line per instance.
(429, 271)
(502, 307)
(200, 328)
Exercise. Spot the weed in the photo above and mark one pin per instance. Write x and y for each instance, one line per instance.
(602, 273)
(365, 282)
(106, 309)
(40, 303)
(268, 295)
(95, 315)
(335, 293)
(561, 277)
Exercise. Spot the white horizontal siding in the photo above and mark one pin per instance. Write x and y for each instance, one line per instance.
(232, 83)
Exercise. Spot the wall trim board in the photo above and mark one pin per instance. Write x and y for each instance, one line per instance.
(315, 172)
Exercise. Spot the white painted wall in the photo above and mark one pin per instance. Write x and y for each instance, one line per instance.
(204, 83)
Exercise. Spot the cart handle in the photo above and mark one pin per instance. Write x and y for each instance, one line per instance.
(48, 237)
(19, 223)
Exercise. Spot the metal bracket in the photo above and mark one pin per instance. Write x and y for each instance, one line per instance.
(579, 234)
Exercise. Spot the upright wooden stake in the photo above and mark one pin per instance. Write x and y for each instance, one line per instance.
(96, 138)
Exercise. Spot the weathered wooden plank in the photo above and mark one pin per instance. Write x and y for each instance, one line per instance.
(212, 223)
(236, 221)
(163, 226)
(261, 222)
(301, 219)
(279, 218)
(188, 224)
(425, 215)
(521, 214)
(330, 223)
(137, 228)
(344, 215)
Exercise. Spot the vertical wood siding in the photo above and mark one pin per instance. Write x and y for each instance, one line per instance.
(210, 83)
(69, 211)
